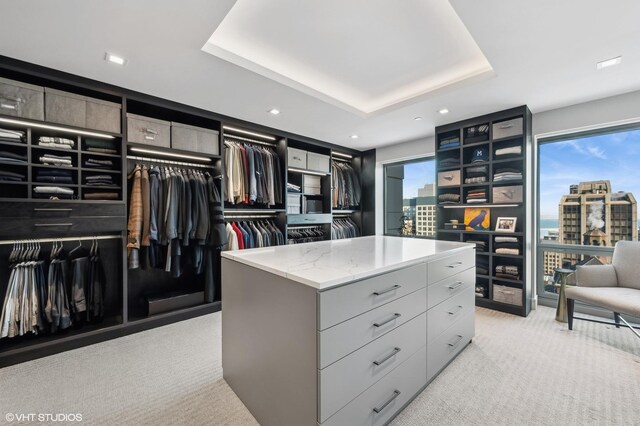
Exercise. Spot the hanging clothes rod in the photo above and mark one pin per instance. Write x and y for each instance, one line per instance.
(242, 138)
(51, 240)
(344, 213)
(344, 160)
(294, 227)
(251, 211)
(169, 162)
(257, 216)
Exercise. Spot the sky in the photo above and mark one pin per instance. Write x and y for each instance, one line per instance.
(614, 157)
(416, 175)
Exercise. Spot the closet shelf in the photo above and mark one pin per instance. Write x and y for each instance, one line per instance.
(20, 144)
(508, 138)
(73, 150)
(508, 160)
(100, 154)
(45, 166)
(91, 169)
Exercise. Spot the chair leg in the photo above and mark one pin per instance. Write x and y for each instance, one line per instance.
(570, 313)
(616, 318)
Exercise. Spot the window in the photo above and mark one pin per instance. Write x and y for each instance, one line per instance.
(587, 200)
(409, 198)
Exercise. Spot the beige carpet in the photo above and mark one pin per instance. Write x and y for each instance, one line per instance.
(517, 371)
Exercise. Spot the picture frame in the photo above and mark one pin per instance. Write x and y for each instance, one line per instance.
(477, 219)
(506, 224)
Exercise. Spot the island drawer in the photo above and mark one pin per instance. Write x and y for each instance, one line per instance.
(342, 381)
(378, 404)
(450, 265)
(344, 338)
(445, 347)
(450, 286)
(448, 312)
(345, 302)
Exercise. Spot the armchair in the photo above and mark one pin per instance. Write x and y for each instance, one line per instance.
(615, 287)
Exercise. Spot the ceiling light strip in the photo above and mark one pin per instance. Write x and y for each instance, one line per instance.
(56, 128)
(246, 132)
(169, 154)
(306, 172)
(339, 154)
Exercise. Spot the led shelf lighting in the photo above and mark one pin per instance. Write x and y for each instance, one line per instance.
(56, 128)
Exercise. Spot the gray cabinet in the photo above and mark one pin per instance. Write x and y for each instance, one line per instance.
(21, 99)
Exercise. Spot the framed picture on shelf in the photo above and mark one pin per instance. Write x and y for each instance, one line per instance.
(506, 224)
(477, 219)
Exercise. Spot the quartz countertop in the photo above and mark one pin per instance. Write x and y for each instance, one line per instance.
(327, 264)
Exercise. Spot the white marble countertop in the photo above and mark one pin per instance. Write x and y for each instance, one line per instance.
(326, 264)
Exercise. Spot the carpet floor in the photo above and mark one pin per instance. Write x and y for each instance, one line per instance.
(517, 371)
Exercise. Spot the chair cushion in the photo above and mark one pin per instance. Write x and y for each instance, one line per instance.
(626, 259)
(596, 276)
(617, 299)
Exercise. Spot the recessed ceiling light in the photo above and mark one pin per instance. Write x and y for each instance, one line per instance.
(444, 111)
(354, 136)
(418, 118)
(609, 62)
(114, 59)
(274, 111)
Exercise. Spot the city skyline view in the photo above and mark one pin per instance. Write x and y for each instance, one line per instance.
(614, 157)
(416, 176)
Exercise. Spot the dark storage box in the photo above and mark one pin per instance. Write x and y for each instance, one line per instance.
(167, 302)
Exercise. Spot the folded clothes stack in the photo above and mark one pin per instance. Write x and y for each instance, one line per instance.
(101, 196)
(506, 173)
(450, 142)
(511, 272)
(481, 291)
(101, 146)
(12, 157)
(482, 265)
(7, 135)
(449, 162)
(51, 142)
(100, 180)
(53, 191)
(56, 160)
(54, 176)
(476, 174)
(510, 150)
(293, 188)
(480, 245)
(99, 164)
(7, 176)
(507, 245)
(476, 196)
(449, 198)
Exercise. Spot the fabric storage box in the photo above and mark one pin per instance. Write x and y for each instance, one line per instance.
(293, 204)
(318, 162)
(510, 295)
(313, 206)
(104, 115)
(21, 99)
(196, 139)
(311, 185)
(65, 108)
(148, 131)
(297, 158)
(504, 129)
(450, 178)
(507, 194)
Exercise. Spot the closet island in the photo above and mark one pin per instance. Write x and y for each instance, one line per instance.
(343, 332)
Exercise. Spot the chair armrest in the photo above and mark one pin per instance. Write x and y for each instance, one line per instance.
(596, 276)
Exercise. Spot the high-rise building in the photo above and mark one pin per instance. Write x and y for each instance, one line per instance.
(593, 215)
(420, 216)
(428, 190)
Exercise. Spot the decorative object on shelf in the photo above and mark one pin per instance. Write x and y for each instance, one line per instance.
(506, 224)
(477, 219)
(480, 154)
(454, 224)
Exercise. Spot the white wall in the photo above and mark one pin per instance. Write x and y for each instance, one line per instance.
(392, 154)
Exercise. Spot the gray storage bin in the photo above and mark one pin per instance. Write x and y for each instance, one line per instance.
(507, 194)
(65, 108)
(21, 100)
(104, 115)
(148, 131)
(507, 128)
(297, 158)
(313, 206)
(195, 139)
(450, 178)
(510, 295)
(293, 204)
(318, 162)
(311, 184)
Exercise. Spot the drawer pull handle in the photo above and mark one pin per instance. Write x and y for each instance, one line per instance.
(378, 293)
(377, 410)
(506, 126)
(507, 292)
(395, 316)
(455, 285)
(150, 131)
(43, 209)
(388, 357)
(54, 224)
(457, 311)
(8, 106)
(458, 340)
(448, 177)
(454, 265)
